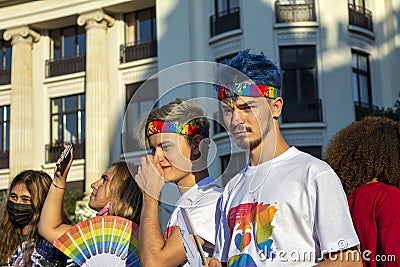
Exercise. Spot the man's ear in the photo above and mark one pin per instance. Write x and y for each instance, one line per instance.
(276, 107)
(196, 147)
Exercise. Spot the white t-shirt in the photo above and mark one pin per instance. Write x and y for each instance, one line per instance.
(287, 211)
(200, 201)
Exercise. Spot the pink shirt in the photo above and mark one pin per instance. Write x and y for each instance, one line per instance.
(104, 211)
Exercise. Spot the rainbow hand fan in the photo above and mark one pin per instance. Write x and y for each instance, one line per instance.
(102, 241)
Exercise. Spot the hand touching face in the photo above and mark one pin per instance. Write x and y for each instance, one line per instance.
(150, 176)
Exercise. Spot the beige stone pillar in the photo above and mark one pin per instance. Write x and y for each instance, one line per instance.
(98, 137)
(21, 107)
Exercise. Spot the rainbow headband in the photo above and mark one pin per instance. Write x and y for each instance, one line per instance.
(154, 127)
(246, 89)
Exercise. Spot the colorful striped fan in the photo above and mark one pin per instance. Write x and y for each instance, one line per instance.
(102, 241)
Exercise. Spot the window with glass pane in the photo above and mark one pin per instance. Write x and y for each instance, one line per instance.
(5, 62)
(68, 119)
(68, 42)
(300, 88)
(141, 26)
(4, 136)
(361, 79)
(232, 164)
(138, 101)
(358, 3)
(5, 55)
(225, 5)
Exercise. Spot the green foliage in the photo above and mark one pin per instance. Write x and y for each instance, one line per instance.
(70, 199)
(389, 112)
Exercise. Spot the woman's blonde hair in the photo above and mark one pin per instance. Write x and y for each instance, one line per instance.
(126, 197)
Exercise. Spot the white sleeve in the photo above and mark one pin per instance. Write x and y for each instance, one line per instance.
(203, 216)
(334, 228)
(222, 239)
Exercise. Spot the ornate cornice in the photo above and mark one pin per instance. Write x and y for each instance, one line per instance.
(21, 33)
(296, 36)
(139, 73)
(227, 46)
(95, 18)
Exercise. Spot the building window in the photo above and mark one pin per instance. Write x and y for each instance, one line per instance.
(226, 58)
(4, 136)
(141, 35)
(315, 151)
(359, 15)
(358, 3)
(5, 62)
(231, 165)
(67, 125)
(68, 51)
(226, 17)
(68, 42)
(223, 6)
(361, 84)
(138, 101)
(294, 11)
(300, 87)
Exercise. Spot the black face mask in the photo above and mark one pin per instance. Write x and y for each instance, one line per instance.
(20, 214)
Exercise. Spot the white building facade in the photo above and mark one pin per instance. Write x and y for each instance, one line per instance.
(69, 69)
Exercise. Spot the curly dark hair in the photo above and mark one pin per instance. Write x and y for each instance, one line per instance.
(365, 150)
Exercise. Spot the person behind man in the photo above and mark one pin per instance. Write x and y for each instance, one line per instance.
(115, 193)
(366, 157)
(20, 242)
(286, 207)
(177, 133)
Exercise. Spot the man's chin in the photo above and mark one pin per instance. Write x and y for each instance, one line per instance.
(242, 143)
(245, 144)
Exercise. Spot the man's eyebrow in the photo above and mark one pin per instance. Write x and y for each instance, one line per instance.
(247, 103)
(166, 142)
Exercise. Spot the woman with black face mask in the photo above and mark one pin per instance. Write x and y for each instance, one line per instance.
(20, 242)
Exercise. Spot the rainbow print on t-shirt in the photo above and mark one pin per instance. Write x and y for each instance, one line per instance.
(251, 223)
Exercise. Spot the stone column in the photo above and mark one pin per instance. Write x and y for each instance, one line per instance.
(98, 137)
(21, 107)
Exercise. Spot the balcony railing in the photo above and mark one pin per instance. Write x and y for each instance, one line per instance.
(360, 16)
(290, 12)
(65, 66)
(53, 151)
(138, 50)
(4, 160)
(301, 110)
(365, 109)
(225, 21)
(5, 76)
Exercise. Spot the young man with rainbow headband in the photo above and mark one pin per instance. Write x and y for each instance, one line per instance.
(177, 133)
(286, 208)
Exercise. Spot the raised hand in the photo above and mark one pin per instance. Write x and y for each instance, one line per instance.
(62, 167)
(150, 176)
